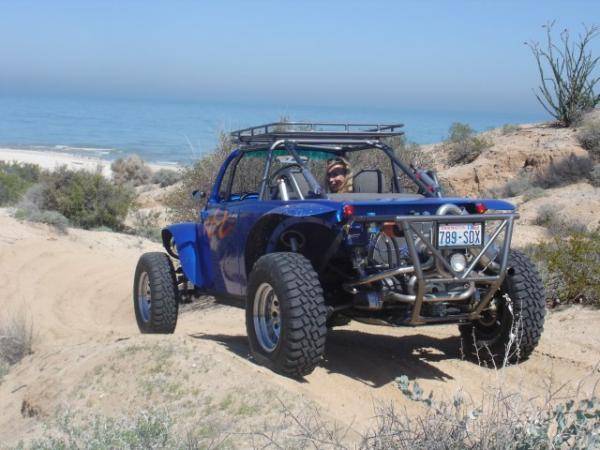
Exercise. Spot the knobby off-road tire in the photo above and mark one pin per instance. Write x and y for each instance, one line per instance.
(510, 336)
(155, 294)
(285, 288)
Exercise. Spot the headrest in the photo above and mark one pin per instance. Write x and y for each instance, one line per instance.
(368, 181)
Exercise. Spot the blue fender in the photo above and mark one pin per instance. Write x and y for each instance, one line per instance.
(192, 249)
(306, 209)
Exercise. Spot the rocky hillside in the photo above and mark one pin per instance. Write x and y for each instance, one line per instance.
(522, 149)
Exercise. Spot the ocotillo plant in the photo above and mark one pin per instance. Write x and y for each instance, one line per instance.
(567, 74)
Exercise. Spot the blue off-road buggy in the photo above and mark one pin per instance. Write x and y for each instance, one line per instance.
(391, 251)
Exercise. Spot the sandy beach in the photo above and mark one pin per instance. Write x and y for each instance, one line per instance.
(52, 160)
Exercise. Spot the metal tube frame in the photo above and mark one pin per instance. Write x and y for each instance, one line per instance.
(291, 145)
(494, 281)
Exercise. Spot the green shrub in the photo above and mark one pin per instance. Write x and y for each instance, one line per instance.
(11, 188)
(463, 145)
(15, 178)
(589, 137)
(27, 172)
(131, 170)
(570, 267)
(200, 176)
(166, 177)
(460, 132)
(509, 128)
(87, 199)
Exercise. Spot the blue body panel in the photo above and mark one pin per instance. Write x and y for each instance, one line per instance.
(190, 240)
(212, 251)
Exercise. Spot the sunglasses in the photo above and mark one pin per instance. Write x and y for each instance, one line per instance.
(336, 173)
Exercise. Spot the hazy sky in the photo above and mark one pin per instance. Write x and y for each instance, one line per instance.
(422, 55)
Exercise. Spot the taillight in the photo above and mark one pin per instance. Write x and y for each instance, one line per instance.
(480, 208)
(348, 211)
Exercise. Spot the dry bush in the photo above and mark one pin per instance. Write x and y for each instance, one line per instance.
(533, 193)
(31, 208)
(131, 170)
(573, 169)
(166, 177)
(549, 216)
(16, 337)
(517, 186)
(589, 137)
(501, 420)
(146, 430)
(463, 145)
(146, 224)
(201, 177)
(52, 218)
(595, 175)
(563, 172)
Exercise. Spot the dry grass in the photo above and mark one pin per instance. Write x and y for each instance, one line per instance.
(16, 338)
(572, 169)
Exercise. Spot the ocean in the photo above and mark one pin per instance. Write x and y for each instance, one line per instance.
(171, 132)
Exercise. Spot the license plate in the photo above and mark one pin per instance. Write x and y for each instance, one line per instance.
(459, 234)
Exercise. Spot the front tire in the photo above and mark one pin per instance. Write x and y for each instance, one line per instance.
(155, 294)
(286, 314)
(510, 329)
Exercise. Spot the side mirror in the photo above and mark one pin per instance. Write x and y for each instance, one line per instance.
(198, 195)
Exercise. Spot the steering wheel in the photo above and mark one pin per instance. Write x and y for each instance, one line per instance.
(245, 195)
(281, 171)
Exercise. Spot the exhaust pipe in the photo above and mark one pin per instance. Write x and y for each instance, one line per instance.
(434, 298)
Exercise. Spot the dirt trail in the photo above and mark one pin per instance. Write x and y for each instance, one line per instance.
(77, 290)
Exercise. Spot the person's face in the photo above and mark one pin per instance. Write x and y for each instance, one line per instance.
(336, 175)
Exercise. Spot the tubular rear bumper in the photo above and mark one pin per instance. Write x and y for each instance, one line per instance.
(468, 276)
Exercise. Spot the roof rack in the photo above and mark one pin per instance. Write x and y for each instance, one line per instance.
(322, 132)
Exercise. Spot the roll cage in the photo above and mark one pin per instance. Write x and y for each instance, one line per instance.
(335, 138)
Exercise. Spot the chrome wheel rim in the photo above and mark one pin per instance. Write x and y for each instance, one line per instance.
(267, 317)
(144, 301)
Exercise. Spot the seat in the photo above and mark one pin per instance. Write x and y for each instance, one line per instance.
(368, 181)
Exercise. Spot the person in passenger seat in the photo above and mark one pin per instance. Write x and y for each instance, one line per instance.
(339, 175)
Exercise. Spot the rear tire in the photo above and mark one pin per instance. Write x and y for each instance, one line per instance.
(155, 294)
(512, 330)
(286, 314)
